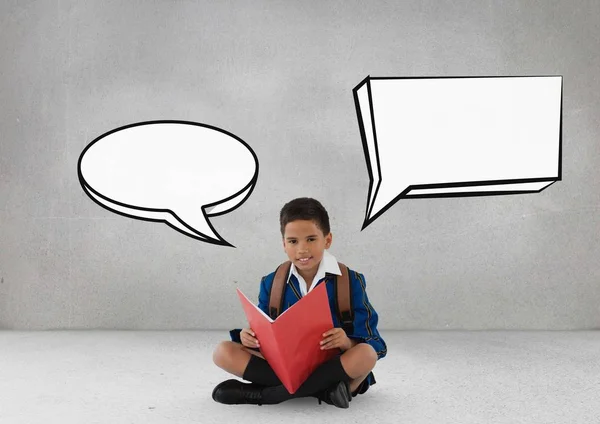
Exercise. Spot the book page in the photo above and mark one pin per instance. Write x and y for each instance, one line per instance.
(256, 307)
(306, 295)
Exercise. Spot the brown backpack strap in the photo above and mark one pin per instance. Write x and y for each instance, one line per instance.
(343, 300)
(277, 289)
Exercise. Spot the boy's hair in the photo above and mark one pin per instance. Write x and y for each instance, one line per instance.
(304, 208)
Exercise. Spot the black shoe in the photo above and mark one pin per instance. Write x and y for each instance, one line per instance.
(234, 392)
(338, 395)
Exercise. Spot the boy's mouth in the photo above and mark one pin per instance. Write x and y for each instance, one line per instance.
(304, 261)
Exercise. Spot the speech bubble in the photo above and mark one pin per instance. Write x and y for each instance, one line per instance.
(458, 136)
(177, 172)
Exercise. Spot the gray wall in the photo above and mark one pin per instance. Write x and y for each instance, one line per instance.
(279, 75)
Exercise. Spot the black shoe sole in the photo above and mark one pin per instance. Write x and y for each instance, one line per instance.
(340, 396)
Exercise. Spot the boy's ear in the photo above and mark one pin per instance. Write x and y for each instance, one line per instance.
(328, 240)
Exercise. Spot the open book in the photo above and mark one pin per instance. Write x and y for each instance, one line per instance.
(290, 344)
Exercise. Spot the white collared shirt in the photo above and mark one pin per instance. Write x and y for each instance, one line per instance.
(328, 264)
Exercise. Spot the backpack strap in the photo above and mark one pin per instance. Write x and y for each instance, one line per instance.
(343, 301)
(277, 289)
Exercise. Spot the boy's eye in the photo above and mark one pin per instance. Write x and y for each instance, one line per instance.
(292, 241)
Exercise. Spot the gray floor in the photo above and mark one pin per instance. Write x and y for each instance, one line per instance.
(427, 377)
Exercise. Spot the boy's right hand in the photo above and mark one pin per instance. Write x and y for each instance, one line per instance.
(248, 338)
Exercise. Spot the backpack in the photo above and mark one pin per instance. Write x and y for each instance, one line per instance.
(341, 289)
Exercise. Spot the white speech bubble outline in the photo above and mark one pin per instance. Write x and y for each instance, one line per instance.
(458, 136)
(141, 148)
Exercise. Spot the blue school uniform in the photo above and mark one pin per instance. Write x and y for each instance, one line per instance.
(365, 316)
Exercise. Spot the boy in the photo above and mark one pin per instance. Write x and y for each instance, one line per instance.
(306, 237)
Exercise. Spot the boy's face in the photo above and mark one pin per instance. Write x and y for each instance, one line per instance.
(304, 244)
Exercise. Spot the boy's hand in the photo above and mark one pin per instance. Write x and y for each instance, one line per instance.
(248, 338)
(336, 337)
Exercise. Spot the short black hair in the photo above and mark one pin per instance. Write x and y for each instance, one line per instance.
(304, 208)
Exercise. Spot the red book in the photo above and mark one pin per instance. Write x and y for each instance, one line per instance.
(290, 344)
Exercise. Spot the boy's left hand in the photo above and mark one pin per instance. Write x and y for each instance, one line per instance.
(336, 337)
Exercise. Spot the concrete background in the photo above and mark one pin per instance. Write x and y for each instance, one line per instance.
(280, 76)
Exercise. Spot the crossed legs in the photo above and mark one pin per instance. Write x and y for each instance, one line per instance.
(357, 361)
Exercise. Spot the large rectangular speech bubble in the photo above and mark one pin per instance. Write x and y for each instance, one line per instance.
(458, 136)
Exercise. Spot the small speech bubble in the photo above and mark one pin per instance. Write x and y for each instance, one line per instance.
(176, 172)
(458, 136)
